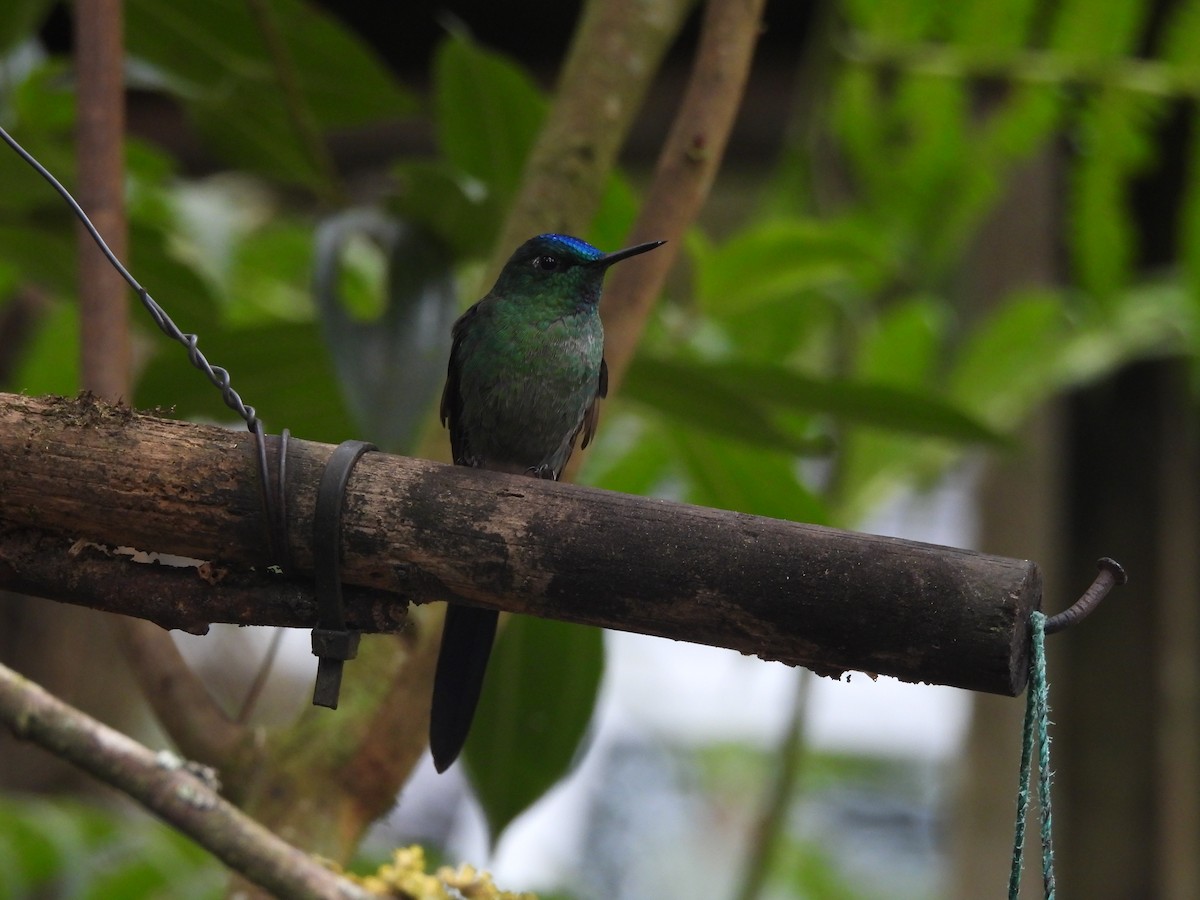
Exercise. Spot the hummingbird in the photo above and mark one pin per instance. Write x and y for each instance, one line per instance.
(524, 381)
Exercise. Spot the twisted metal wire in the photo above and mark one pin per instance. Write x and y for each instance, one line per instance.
(217, 375)
(272, 495)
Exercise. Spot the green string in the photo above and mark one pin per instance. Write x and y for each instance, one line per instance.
(1037, 728)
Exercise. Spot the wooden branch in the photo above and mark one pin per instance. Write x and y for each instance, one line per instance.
(106, 356)
(826, 599)
(175, 792)
(683, 176)
(187, 597)
(611, 63)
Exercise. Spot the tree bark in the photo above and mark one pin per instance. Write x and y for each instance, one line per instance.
(805, 595)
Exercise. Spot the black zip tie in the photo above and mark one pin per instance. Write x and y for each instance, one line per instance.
(332, 643)
(272, 498)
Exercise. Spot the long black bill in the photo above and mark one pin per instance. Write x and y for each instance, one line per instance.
(609, 258)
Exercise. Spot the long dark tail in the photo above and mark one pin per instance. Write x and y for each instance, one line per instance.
(466, 645)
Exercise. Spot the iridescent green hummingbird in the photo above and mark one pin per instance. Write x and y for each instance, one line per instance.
(525, 377)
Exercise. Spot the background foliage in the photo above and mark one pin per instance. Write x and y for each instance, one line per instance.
(813, 358)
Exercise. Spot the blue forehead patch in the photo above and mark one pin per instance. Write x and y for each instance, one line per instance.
(583, 248)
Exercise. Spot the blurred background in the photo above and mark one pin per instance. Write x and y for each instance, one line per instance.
(946, 287)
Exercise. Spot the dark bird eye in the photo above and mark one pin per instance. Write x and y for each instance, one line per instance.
(546, 263)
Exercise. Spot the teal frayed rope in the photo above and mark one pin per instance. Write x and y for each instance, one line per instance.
(1037, 730)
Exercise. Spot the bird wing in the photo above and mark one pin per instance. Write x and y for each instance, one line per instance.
(451, 409)
(592, 416)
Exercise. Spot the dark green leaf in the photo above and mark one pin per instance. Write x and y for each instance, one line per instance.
(281, 369)
(43, 256)
(1098, 30)
(902, 345)
(759, 387)
(269, 277)
(488, 113)
(618, 208)
(50, 362)
(780, 260)
(1011, 359)
(729, 475)
(696, 395)
(216, 58)
(20, 19)
(631, 454)
(536, 705)
(448, 203)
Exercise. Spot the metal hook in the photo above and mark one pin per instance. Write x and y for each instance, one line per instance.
(1111, 575)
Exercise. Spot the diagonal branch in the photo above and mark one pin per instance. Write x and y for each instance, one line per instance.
(169, 788)
(183, 706)
(685, 172)
(610, 65)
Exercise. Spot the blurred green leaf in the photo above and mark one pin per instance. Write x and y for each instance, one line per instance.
(1009, 362)
(989, 25)
(860, 119)
(20, 19)
(806, 868)
(217, 61)
(281, 369)
(929, 161)
(693, 394)
(718, 470)
(43, 256)
(39, 110)
(782, 259)
(903, 343)
(1026, 119)
(362, 279)
(1180, 36)
(62, 848)
(1151, 320)
(1093, 30)
(488, 113)
(534, 712)
(761, 387)
(630, 454)
(456, 207)
(270, 275)
(903, 20)
(614, 218)
(49, 364)
(1117, 136)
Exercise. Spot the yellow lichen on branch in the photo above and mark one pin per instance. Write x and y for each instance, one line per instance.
(405, 878)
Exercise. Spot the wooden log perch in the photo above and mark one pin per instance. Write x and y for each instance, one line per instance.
(80, 472)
